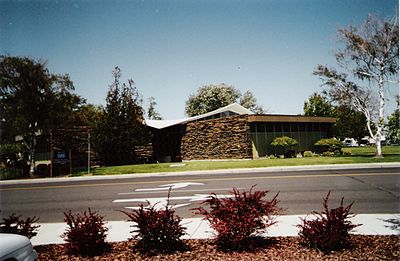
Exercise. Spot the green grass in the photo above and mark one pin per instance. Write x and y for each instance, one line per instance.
(359, 155)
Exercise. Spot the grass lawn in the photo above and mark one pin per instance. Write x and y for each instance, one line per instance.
(359, 155)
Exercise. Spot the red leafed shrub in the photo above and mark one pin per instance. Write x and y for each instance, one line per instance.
(240, 219)
(86, 233)
(17, 225)
(330, 229)
(157, 230)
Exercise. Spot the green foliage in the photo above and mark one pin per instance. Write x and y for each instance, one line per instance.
(17, 225)
(284, 142)
(13, 162)
(249, 101)
(152, 113)
(212, 97)
(368, 61)
(328, 145)
(350, 123)
(209, 98)
(121, 126)
(238, 220)
(308, 154)
(318, 105)
(393, 127)
(88, 115)
(329, 230)
(33, 99)
(346, 152)
(30, 95)
(86, 233)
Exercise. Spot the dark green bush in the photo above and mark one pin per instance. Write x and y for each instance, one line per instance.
(284, 142)
(330, 145)
(308, 154)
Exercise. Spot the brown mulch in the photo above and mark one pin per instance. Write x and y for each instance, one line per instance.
(276, 248)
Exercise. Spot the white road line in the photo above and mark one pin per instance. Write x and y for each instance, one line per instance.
(176, 191)
(171, 186)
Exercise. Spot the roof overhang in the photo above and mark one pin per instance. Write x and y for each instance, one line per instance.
(289, 118)
(161, 124)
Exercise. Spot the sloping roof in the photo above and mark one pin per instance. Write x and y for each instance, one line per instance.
(234, 107)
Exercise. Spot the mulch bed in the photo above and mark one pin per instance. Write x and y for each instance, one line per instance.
(276, 248)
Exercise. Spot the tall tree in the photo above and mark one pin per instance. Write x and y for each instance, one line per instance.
(212, 97)
(249, 101)
(122, 127)
(393, 125)
(349, 123)
(152, 113)
(318, 105)
(88, 115)
(33, 100)
(369, 60)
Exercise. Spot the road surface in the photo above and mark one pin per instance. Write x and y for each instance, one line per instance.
(374, 190)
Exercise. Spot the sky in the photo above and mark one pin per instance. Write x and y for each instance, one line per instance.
(170, 48)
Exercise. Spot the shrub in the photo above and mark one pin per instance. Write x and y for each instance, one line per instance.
(86, 233)
(329, 230)
(330, 145)
(346, 152)
(158, 231)
(17, 225)
(328, 154)
(308, 154)
(240, 219)
(271, 157)
(284, 142)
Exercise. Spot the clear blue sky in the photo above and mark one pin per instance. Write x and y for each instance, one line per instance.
(170, 48)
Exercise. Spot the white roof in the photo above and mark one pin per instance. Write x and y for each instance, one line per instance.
(234, 107)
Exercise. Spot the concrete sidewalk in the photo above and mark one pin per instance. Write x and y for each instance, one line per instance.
(196, 228)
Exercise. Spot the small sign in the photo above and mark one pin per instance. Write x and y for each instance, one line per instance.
(61, 156)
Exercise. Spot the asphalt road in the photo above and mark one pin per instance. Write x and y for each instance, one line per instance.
(374, 190)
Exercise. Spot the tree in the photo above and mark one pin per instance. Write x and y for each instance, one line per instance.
(369, 60)
(350, 123)
(122, 127)
(393, 125)
(212, 97)
(33, 100)
(152, 113)
(284, 142)
(248, 101)
(318, 105)
(330, 144)
(88, 115)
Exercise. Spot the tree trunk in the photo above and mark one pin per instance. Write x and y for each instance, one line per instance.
(32, 150)
(381, 119)
(378, 145)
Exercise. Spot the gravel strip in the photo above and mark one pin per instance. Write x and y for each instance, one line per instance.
(276, 248)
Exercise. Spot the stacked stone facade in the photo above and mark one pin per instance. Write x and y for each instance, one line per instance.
(223, 138)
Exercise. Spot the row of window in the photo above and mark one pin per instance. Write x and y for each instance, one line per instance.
(261, 127)
(218, 115)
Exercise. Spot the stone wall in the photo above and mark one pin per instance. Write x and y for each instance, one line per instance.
(224, 138)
